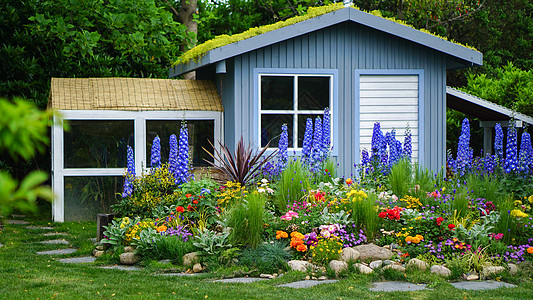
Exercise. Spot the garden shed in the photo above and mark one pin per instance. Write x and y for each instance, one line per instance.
(365, 68)
(107, 114)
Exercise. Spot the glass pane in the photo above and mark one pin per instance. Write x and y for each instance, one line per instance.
(313, 92)
(97, 144)
(302, 119)
(277, 92)
(271, 129)
(200, 133)
(85, 197)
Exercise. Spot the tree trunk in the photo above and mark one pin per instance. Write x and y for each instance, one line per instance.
(188, 9)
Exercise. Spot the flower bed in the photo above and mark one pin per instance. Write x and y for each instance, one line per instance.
(477, 216)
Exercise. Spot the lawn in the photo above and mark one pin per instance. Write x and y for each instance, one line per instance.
(26, 275)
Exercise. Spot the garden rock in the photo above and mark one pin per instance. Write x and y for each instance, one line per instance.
(372, 252)
(396, 286)
(267, 276)
(441, 270)
(376, 264)
(417, 264)
(481, 285)
(129, 249)
(299, 265)
(77, 260)
(98, 253)
(322, 278)
(338, 266)
(197, 268)
(129, 258)
(492, 270)
(396, 267)
(306, 283)
(55, 242)
(57, 252)
(190, 259)
(470, 277)
(363, 269)
(165, 261)
(349, 254)
(387, 262)
(513, 269)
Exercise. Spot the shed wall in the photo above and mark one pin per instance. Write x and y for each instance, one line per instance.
(346, 47)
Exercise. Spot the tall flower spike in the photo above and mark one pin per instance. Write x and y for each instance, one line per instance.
(283, 156)
(173, 156)
(308, 140)
(511, 159)
(463, 149)
(130, 174)
(526, 150)
(498, 141)
(377, 135)
(316, 148)
(155, 158)
(326, 132)
(183, 156)
(407, 144)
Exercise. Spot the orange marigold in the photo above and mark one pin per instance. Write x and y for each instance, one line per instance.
(301, 248)
(409, 239)
(161, 228)
(420, 237)
(530, 250)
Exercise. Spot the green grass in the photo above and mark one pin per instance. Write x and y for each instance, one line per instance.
(25, 275)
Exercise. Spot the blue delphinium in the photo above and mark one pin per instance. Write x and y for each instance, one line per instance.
(130, 174)
(464, 153)
(377, 136)
(498, 141)
(316, 148)
(389, 138)
(283, 155)
(326, 132)
(364, 158)
(511, 159)
(407, 152)
(183, 156)
(308, 140)
(173, 156)
(525, 153)
(155, 158)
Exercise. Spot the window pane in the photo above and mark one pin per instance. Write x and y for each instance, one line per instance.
(85, 197)
(313, 92)
(277, 92)
(271, 129)
(200, 133)
(97, 144)
(302, 119)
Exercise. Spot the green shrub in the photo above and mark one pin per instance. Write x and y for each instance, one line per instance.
(267, 257)
(173, 248)
(400, 177)
(371, 219)
(246, 220)
(292, 186)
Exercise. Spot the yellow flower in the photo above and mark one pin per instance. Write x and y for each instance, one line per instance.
(415, 240)
(518, 213)
(530, 199)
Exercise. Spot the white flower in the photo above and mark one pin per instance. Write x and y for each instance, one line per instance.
(394, 197)
(270, 191)
(328, 184)
(264, 181)
(261, 190)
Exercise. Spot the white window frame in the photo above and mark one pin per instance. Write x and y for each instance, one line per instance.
(59, 172)
(295, 111)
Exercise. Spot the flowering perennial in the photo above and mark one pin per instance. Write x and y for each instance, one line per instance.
(155, 158)
(130, 174)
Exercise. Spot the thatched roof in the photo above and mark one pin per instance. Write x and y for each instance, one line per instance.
(134, 94)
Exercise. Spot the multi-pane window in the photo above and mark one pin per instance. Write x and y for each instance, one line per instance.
(291, 99)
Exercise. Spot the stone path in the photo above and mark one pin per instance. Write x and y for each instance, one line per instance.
(17, 222)
(176, 274)
(306, 283)
(396, 286)
(1, 245)
(240, 280)
(55, 242)
(78, 260)
(40, 227)
(481, 285)
(55, 233)
(118, 267)
(57, 252)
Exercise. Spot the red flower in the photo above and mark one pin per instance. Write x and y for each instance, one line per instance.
(180, 209)
(382, 214)
(451, 226)
(190, 208)
(440, 220)
(188, 195)
(195, 201)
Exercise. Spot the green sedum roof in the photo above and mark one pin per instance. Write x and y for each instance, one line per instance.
(197, 52)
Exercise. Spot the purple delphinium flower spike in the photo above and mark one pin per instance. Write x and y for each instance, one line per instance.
(173, 156)
(511, 159)
(407, 144)
(316, 148)
(464, 154)
(183, 156)
(498, 141)
(283, 155)
(377, 136)
(308, 140)
(130, 174)
(525, 153)
(155, 158)
(326, 133)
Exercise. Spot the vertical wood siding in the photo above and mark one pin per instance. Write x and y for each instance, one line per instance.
(346, 47)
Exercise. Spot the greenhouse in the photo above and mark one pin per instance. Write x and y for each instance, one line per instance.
(104, 116)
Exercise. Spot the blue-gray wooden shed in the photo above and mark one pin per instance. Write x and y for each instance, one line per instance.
(380, 70)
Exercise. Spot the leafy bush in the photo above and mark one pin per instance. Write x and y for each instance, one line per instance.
(399, 178)
(267, 257)
(246, 221)
(292, 186)
(326, 249)
(211, 243)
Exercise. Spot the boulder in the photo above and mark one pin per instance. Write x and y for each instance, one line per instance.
(363, 269)
(299, 265)
(417, 264)
(513, 269)
(441, 270)
(338, 266)
(489, 271)
(129, 249)
(129, 258)
(470, 277)
(322, 278)
(372, 252)
(376, 264)
(98, 253)
(349, 254)
(190, 259)
(197, 268)
(396, 267)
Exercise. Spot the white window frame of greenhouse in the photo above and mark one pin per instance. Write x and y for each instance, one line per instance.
(59, 172)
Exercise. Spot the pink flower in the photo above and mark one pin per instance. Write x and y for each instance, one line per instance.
(289, 215)
(435, 194)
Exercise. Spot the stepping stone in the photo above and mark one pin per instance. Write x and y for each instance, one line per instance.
(55, 242)
(57, 252)
(40, 227)
(481, 285)
(176, 274)
(78, 260)
(17, 222)
(396, 286)
(306, 283)
(240, 280)
(122, 268)
(18, 216)
(1, 245)
(55, 233)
